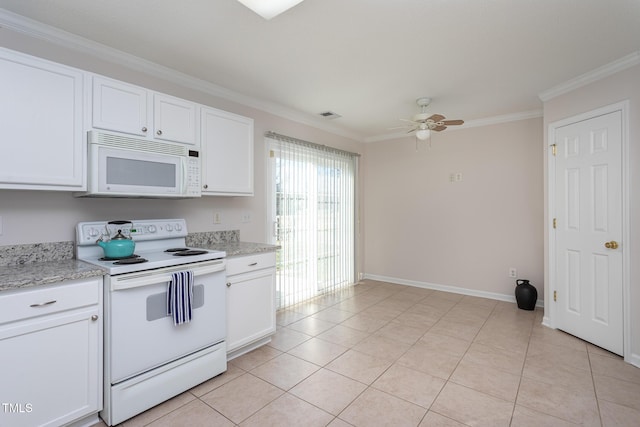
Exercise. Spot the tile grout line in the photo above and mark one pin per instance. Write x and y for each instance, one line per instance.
(524, 362)
(595, 390)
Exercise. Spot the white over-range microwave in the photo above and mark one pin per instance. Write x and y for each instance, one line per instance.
(121, 166)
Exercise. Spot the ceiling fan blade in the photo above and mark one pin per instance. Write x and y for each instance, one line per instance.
(452, 122)
(412, 130)
(436, 117)
(439, 128)
(400, 127)
(406, 120)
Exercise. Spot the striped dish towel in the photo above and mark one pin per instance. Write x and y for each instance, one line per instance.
(180, 297)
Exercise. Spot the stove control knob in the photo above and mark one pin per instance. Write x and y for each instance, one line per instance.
(93, 232)
(178, 226)
(152, 229)
(169, 227)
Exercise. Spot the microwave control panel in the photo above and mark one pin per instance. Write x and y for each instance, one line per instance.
(193, 175)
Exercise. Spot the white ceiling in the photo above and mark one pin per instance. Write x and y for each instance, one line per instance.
(366, 60)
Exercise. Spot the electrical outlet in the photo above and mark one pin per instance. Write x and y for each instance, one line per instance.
(452, 177)
(246, 217)
(217, 218)
(513, 272)
(459, 177)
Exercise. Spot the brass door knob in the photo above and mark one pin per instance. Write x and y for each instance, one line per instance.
(611, 245)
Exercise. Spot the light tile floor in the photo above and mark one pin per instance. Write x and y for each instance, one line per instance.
(381, 354)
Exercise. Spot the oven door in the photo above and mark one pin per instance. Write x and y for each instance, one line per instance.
(139, 334)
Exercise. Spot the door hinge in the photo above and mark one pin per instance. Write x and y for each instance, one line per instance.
(555, 223)
(555, 295)
(554, 149)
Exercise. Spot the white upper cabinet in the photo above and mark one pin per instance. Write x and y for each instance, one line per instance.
(41, 110)
(174, 119)
(46, 109)
(227, 153)
(130, 109)
(119, 107)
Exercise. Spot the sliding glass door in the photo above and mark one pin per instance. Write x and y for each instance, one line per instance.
(313, 191)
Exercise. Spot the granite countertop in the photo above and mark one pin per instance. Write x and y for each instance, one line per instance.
(241, 248)
(24, 266)
(43, 273)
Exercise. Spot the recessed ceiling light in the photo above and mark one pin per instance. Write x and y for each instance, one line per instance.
(269, 8)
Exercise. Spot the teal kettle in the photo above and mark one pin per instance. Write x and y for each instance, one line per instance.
(118, 246)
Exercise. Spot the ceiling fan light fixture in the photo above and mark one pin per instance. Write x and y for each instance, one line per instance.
(269, 8)
(423, 134)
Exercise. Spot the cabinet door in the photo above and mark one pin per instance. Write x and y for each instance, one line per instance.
(174, 119)
(227, 153)
(251, 310)
(51, 369)
(119, 107)
(41, 121)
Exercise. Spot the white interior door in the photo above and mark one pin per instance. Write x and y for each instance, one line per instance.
(588, 186)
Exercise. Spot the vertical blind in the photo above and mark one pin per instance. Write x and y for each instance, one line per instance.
(315, 208)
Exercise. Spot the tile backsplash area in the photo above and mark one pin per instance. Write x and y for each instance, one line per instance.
(35, 252)
(208, 238)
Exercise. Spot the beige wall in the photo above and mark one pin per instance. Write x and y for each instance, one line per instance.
(622, 86)
(37, 216)
(421, 228)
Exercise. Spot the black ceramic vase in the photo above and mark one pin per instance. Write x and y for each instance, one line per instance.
(526, 294)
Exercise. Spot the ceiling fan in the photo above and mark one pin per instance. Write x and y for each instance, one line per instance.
(422, 122)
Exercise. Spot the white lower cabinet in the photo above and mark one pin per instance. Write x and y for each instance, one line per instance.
(51, 354)
(251, 309)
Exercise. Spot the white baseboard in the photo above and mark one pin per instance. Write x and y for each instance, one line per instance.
(448, 288)
(633, 359)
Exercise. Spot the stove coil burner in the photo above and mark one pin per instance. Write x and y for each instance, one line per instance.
(185, 251)
(118, 259)
(130, 260)
(190, 252)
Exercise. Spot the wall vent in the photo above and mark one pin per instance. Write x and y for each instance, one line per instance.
(329, 115)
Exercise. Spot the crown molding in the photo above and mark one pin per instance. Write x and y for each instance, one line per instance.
(589, 77)
(505, 118)
(39, 30)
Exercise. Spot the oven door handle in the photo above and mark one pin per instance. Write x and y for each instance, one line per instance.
(150, 277)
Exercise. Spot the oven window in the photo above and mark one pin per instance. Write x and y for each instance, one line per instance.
(140, 172)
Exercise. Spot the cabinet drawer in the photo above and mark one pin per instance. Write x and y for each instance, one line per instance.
(23, 304)
(247, 263)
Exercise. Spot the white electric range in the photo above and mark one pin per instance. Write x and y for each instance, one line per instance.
(147, 358)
